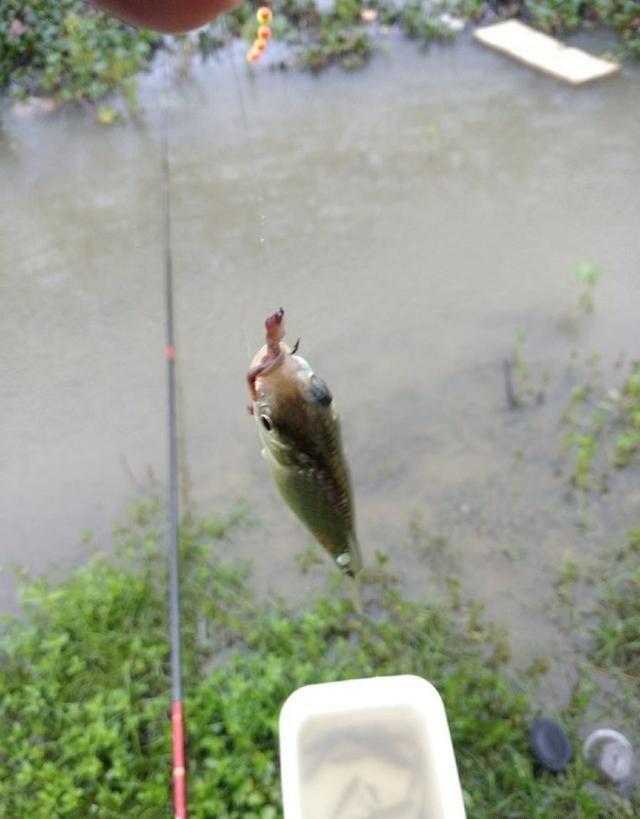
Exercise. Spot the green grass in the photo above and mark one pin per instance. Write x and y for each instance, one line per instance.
(84, 688)
(600, 605)
(616, 630)
(67, 50)
(568, 15)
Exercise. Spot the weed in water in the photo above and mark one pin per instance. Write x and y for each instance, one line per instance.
(616, 633)
(568, 575)
(603, 428)
(519, 387)
(588, 276)
(349, 46)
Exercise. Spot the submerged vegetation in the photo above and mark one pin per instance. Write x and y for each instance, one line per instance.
(588, 276)
(71, 52)
(84, 682)
(603, 427)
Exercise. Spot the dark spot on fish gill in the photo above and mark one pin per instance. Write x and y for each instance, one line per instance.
(319, 392)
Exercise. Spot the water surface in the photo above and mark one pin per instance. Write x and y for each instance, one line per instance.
(410, 218)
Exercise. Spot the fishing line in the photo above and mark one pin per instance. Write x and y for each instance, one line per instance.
(252, 155)
(178, 774)
(353, 583)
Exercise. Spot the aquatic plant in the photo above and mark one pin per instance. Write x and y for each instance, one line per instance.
(349, 47)
(84, 681)
(588, 275)
(568, 15)
(431, 21)
(520, 389)
(603, 426)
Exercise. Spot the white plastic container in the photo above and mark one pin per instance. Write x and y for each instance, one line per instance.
(362, 749)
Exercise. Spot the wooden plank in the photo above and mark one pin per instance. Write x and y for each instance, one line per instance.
(545, 53)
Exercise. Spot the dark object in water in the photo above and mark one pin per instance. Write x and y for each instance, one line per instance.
(513, 400)
(549, 745)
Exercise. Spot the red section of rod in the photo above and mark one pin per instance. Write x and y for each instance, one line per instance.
(179, 774)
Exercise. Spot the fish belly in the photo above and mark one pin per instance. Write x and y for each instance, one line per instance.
(312, 497)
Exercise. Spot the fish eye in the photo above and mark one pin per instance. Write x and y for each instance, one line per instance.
(266, 422)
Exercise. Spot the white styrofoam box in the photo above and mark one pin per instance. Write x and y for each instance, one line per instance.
(365, 748)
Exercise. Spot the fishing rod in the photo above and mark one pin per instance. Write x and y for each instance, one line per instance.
(178, 756)
(178, 766)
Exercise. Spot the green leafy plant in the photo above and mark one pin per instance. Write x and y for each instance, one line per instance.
(350, 46)
(424, 22)
(616, 633)
(603, 429)
(84, 687)
(627, 444)
(68, 50)
(602, 602)
(589, 276)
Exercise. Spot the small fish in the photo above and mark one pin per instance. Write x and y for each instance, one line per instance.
(300, 433)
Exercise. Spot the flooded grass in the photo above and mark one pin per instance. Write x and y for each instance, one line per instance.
(602, 420)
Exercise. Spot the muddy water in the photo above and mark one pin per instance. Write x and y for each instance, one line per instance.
(410, 218)
(368, 764)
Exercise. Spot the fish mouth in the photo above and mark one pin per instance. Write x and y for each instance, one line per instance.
(271, 355)
(264, 362)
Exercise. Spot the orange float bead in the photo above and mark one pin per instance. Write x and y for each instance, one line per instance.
(260, 45)
(264, 33)
(264, 15)
(253, 56)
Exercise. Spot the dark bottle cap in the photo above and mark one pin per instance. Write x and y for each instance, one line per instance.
(549, 745)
